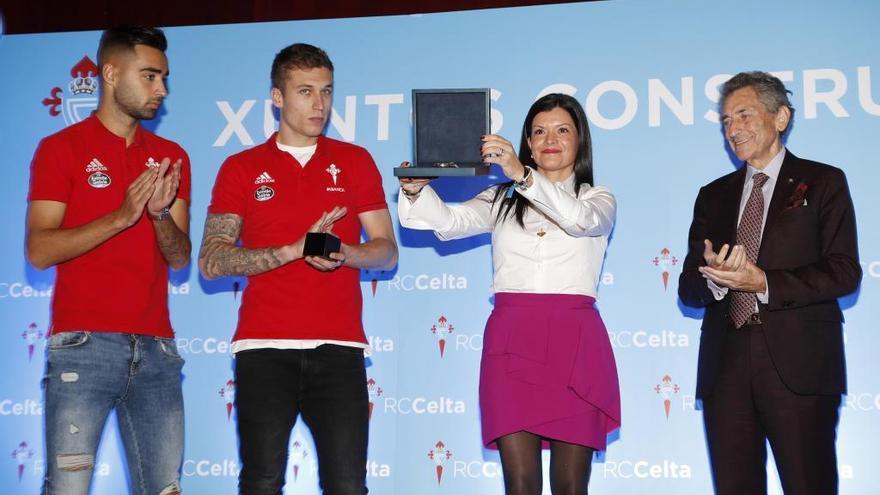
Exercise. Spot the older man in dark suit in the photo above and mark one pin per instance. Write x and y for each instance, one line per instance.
(771, 248)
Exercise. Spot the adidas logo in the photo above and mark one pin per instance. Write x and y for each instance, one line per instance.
(95, 166)
(151, 163)
(264, 178)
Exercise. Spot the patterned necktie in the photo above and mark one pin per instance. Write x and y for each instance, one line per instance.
(748, 234)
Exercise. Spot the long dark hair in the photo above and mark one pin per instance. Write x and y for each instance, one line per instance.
(583, 161)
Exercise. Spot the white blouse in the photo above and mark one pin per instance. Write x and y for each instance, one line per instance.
(560, 250)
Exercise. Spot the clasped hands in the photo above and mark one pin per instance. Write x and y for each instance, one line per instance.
(731, 268)
(325, 225)
(154, 189)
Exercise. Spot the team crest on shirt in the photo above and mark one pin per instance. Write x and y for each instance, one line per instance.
(334, 172)
(151, 163)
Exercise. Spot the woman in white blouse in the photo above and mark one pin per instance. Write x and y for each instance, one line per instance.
(547, 377)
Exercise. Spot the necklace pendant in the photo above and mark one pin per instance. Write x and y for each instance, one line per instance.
(541, 233)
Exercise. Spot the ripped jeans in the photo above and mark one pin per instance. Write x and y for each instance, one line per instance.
(90, 373)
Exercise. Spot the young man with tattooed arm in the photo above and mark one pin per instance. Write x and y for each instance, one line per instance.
(299, 345)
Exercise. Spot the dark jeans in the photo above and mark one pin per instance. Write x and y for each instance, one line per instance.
(749, 406)
(328, 386)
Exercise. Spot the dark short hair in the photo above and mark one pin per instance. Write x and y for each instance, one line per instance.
(297, 56)
(771, 92)
(126, 36)
(583, 160)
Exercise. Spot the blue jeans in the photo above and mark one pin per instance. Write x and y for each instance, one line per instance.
(90, 373)
(328, 386)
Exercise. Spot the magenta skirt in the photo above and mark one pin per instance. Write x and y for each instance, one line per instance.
(548, 369)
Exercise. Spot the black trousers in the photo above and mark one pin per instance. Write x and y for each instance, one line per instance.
(328, 386)
(749, 406)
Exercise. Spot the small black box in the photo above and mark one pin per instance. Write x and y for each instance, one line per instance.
(447, 126)
(321, 244)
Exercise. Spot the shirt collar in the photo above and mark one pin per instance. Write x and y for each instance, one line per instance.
(567, 185)
(272, 144)
(103, 134)
(771, 170)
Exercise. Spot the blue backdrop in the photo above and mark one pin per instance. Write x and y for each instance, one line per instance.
(647, 73)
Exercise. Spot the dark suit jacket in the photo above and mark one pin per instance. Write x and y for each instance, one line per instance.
(810, 254)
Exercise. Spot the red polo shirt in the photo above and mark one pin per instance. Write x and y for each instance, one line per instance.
(122, 284)
(278, 200)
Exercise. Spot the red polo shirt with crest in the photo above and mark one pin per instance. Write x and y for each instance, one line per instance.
(278, 200)
(122, 284)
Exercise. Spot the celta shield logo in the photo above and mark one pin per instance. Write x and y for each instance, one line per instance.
(664, 263)
(439, 454)
(31, 335)
(667, 389)
(21, 455)
(374, 391)
(227, 393)
(299, 454)
(373, 277)
(441, 330)
(80, 99)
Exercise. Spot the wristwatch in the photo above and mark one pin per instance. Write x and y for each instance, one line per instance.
(163, 214)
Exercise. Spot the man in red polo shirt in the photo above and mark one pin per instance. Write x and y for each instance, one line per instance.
(299, 345)
(108, 208)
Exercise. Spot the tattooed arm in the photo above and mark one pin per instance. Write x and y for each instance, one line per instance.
(172, 235)
(220, 257)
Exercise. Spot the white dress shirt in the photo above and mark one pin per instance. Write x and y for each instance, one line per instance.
(560, 250)
(772, 172)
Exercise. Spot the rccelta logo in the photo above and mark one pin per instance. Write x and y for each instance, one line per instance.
(424, 405)
(667, 389)
(643, 469)
(444, 281)
(82, 88)
(441, 329)
(199, 345)
(31, 335)
(28, 407)
(378, 344)
(374, 391)
(228, 395)
(645, 339)
(664, 262)
(439, 454)
(21, 456)
(16, 290)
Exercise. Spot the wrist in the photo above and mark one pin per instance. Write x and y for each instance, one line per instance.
(120, 221)
(290, 253)
(159, 216)
(526, 181)
(411, 194)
